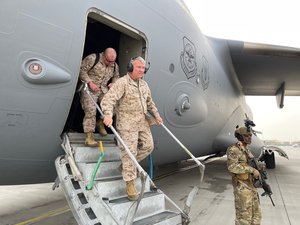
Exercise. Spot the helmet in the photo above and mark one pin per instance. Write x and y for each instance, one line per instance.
(240, 131)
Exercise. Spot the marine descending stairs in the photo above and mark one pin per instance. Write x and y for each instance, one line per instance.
(106, 203)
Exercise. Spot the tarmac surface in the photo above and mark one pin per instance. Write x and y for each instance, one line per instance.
(213, 205)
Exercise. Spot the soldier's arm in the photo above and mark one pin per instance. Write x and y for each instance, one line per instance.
(233, 164)
(104, 89)
(151, 105)
(116, 74)
(86, 65)
(111, 97)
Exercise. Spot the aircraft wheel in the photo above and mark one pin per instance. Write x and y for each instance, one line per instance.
(270, 160)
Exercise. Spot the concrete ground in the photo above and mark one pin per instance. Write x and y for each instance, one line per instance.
(38, 204)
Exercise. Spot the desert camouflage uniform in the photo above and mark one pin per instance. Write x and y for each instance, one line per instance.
(100, 75)
(247, 206)
(132, 100)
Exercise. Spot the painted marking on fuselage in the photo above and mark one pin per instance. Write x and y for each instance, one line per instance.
(188, 61)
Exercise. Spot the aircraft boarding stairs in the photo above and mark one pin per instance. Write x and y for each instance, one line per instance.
(106, 203)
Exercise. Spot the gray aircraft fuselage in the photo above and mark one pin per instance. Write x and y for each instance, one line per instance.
(42, 43)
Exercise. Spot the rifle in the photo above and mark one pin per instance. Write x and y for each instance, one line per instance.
(262, 179)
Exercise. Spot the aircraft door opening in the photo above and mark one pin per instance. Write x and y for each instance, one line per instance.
(104, 31)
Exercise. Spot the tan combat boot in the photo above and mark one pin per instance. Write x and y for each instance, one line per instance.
(101, 128)
(131, 191)
(90, 141)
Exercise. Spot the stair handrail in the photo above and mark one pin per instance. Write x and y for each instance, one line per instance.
(194, 191)
(197, 161)
(69, 153)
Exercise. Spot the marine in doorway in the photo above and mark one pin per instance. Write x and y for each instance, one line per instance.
(96, 71)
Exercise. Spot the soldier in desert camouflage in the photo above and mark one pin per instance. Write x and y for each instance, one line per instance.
(96, 75)
(247, 206)
(133, 99)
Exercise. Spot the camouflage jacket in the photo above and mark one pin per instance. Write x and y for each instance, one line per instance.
(131, 100)
(100, 74)
(237, 164)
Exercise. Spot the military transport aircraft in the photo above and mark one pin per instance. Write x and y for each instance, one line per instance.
(198, 83)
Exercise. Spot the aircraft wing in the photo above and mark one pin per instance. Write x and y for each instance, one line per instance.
(266, 69)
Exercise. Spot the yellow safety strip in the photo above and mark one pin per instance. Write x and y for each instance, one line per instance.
(44, 216)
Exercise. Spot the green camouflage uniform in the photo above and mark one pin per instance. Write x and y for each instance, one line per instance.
(99, 75)
(247, 206)
(131, 101)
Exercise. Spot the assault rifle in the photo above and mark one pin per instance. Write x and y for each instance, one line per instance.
(261, 180)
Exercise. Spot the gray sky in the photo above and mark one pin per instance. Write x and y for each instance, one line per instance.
(262, 21)
(275, 123)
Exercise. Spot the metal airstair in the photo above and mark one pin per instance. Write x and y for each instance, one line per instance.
(106, 203)
(95, 190)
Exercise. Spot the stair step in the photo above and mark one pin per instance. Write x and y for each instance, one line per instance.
(86, 154)
(80, 137)
(105, 171)
(116, 188)
(163, 218)
(151, 204)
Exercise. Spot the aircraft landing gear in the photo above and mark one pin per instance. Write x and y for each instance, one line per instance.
(268, 155)
(270, 160)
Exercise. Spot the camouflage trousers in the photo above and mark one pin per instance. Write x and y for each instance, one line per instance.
(89, 120)
(247, 205)
(140, 143)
